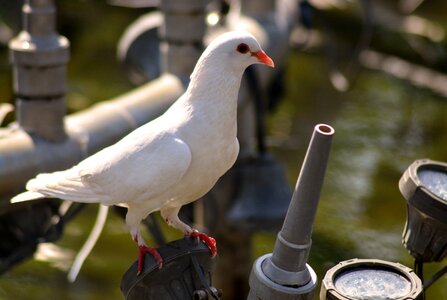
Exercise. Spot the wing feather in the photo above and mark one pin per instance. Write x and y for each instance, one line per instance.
(141, 166)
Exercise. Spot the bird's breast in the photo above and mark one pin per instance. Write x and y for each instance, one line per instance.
(210, 131)
(207, 166)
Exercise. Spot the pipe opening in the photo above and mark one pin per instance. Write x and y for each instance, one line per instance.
(325, 129)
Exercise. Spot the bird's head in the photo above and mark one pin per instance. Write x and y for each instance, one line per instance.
(239, 48)
(235, 50)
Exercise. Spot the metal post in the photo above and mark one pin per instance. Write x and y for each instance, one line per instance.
(284, 274)
(182, 35)
(39, 57)
(256, 8)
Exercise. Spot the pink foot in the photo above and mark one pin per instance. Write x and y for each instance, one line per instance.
(142, 250)
(209, 241)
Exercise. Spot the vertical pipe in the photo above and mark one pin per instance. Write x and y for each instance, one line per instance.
(285, 274)
(297, 227)
(39, 57)
(182, 35)
(256, 8)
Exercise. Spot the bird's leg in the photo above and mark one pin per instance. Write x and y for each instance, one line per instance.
(170, 215)
(134, 228)
(142, 250)
(208, 240)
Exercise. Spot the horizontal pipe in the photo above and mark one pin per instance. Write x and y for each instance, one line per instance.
(23, 156)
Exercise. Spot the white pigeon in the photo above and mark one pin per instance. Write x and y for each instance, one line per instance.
(172, 160)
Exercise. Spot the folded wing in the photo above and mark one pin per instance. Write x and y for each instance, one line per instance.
(138, 167)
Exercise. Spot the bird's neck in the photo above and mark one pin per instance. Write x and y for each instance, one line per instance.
(216, 91)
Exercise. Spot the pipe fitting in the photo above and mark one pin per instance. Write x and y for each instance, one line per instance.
(39, 57)
(262, 287)
(182, 35)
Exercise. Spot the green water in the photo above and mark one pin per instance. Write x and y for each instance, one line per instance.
(382, 125)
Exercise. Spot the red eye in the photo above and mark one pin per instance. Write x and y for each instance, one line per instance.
(242, 48)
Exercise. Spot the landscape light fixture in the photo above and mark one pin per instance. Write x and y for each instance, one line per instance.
(186, 274)
(369, 279)
(424, 186)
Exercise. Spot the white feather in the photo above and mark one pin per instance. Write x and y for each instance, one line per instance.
(89, 243)
(27, 196)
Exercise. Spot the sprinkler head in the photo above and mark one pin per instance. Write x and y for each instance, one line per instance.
(424, 186)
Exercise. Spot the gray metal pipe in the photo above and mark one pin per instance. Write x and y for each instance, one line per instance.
(181, 35)
(285, 274)
(23, 156)
(39, 57)
(295, 235)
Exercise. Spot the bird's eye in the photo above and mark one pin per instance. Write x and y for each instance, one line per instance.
(242, 48)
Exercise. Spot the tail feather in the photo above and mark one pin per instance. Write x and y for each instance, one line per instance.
(66, 185)
(56, 180)
(28, 196)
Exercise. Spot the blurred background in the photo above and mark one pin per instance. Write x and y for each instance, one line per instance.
(376, 73)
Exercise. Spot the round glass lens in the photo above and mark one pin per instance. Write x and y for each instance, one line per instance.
(434, 181)
(372, 284)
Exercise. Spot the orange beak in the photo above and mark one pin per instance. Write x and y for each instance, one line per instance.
(263, 58)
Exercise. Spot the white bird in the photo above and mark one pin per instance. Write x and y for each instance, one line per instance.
(172, 160)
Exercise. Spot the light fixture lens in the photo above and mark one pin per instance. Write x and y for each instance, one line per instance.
(372, 284)
(435, 181)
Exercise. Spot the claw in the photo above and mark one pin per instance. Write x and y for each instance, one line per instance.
(142, 250)
(209, 241)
